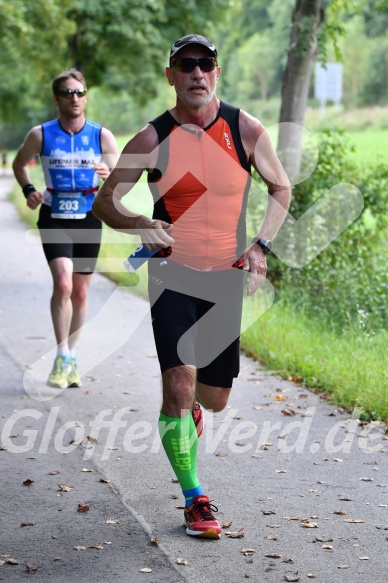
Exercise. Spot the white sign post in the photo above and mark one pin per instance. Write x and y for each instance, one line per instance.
(328, 84)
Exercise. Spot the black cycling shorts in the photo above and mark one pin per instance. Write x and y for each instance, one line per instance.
(196, 319)
(77, 239)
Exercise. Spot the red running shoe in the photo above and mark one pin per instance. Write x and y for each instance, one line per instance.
(198, 418)
(200, 520)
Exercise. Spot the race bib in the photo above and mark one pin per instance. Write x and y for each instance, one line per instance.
(68, 205)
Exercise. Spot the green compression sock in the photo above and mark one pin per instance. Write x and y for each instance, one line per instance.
(180, 441)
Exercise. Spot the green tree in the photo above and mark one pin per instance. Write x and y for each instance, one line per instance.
(355, 49)
(121, 43)
(315, 23)
(375, 15)
(257, 68)
(375, 86)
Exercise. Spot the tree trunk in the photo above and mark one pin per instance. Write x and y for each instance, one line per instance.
(307, 18)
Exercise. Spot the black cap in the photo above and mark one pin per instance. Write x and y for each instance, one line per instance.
(192, 39)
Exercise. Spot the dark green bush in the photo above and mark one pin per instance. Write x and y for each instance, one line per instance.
(347, 283)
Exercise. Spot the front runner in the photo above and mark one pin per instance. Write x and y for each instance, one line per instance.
(75, 153)
(198, 157)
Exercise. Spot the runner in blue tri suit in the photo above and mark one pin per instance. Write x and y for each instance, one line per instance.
(75, 153)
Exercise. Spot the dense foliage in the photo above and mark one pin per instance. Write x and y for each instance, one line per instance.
(118, 44)
(346, 285)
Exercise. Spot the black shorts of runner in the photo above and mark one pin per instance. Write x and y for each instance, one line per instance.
(196, 319)
(77, 239)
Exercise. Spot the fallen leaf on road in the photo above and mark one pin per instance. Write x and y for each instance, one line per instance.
(91, 439)
(366, 479)
(364, 558)
(7, 559)
(327, 547)
(226, 525)
(54, 473)
(273, 556)
(65, 488)
(248, 552)
(235, 534)
(145, 570)
(323, 539)
(281, 471)
(111, 521)
(340, 512)
(309, 524)
(181, 561)
(31, 569)
(271, 537)
(266, 445)
(79, 548)
(83, 508)
(86, 470)
(154, 541)
(279, 398)
(95, 547)
(28, 482)
(311, 575)
(268, 512)
(291, 578)
(27, 524)
(295, 379)
(104, 481)
(293, 517)
(220, 454)
(354, 520)
(343, 567)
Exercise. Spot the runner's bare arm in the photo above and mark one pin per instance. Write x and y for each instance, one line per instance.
(110, 154)
(261, 154)
(139, 154)
(32, 145)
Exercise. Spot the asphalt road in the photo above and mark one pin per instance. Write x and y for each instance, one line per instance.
(301, 484)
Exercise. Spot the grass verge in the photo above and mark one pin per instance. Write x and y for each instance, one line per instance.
(350, 368)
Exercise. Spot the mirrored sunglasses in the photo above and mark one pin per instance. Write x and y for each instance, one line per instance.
(68, 93)
(188, 64)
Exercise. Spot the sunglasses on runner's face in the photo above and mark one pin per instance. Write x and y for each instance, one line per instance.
(188, 64)
(68, 93)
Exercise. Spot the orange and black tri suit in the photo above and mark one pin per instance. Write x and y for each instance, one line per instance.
(200, 184)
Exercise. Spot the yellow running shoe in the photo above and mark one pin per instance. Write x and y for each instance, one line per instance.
(73, 377)
(58, 376)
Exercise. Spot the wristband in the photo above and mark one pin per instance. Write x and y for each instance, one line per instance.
(264, 244)
(27, 189)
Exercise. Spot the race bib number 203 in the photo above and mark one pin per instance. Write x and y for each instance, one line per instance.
(68, 205)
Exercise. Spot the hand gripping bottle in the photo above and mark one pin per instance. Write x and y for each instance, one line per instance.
(141, 255)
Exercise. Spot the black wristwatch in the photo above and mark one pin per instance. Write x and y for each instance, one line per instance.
(264, 244)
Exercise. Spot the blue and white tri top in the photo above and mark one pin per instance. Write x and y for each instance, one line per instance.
(67, 160)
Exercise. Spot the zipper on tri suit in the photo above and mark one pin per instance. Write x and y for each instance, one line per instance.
(72, 157)
(204, 196)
